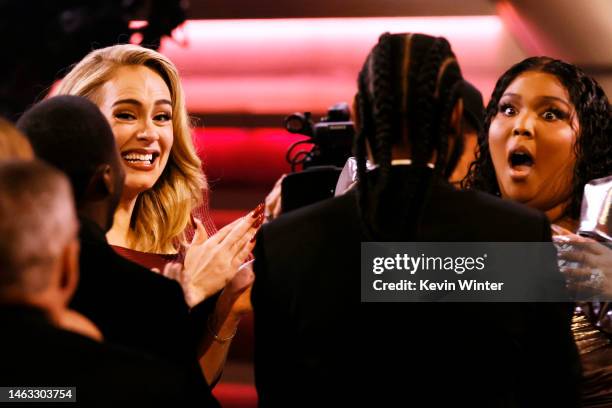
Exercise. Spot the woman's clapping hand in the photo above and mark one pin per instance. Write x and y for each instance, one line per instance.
(212, 263)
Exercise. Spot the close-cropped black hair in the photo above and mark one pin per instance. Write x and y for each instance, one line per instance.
(593, 146)
(72, 134)
(407, 89)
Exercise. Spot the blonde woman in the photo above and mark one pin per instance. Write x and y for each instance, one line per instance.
(164, 195)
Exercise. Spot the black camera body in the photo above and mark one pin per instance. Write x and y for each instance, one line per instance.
(332, 140)
(332, 136)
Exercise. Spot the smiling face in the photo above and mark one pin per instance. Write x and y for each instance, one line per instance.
(137, 103)
(531, 140)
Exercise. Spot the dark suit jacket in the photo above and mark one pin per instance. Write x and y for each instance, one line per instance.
(36, 354)
(316, 344)
(135, 307)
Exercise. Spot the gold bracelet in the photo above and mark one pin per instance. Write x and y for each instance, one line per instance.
(216, 337)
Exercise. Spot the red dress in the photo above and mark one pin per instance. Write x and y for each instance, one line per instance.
(152, 260)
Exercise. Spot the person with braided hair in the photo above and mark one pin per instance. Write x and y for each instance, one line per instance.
(316, 344)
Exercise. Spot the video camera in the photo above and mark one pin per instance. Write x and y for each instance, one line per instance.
(332, 140)
(332, 137)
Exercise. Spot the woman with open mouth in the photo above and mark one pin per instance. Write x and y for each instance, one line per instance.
(546, 134)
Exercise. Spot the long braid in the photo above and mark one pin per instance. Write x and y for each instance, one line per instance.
(384, 121)
(439, 78)
(363, 106)
(383, 104)
(449, 99)
(426, 78)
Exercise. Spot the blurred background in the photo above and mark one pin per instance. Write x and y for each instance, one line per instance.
(246, 65)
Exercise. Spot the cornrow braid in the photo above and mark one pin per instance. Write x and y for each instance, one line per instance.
(382, 103)
(423, 140)
(448, 99)
(384, 115)
(363, 107)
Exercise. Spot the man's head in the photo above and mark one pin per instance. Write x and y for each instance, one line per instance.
(38, 235)
(71, 133)
(408, 108)
(408, 103)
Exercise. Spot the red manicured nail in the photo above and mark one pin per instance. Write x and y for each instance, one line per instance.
(257, 223)
(258, 210)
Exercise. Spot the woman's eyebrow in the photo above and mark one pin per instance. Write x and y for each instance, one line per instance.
(138, 103)
(163, 102)
(545, 98)
(129, 101)
(555, 99)
(511, 95)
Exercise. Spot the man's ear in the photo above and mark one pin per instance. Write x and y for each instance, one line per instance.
(457, 118)
(101, 184)
(109, 178)
(69, 270)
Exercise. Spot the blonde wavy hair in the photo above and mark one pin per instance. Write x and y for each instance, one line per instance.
(161, 214)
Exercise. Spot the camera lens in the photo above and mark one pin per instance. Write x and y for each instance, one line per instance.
(295, 123)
